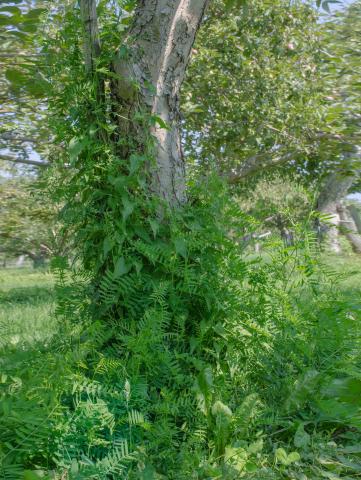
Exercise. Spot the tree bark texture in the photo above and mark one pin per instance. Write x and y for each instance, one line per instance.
(335, 189)
(349, 228)
(91, 34)
(355, 214)
(159, 44)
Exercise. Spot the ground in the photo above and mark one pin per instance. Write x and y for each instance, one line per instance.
(26, 299)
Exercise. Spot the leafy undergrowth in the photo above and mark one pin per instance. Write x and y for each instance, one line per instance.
(286, 404)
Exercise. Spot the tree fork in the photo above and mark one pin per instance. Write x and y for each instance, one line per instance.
(159, 45)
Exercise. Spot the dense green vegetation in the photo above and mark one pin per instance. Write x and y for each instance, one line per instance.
(296, 373)
(189, 319)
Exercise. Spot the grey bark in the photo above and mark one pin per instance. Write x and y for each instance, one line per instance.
(257, 163)
(24, 161)
(159, 46)
(349, 228)
(335, 189)
(355, 214)
(20, 260)
(91, 34)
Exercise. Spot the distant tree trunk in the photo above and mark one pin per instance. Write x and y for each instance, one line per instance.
(287, 237)
(286, 234)
(355, 214)
(39, 261)
(334, 190)
(38, 258)
(349, 228)
(158, 47)
(20, 260)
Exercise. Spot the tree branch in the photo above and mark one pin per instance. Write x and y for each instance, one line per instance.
(8, 136)
(256, 163)
(25, 161)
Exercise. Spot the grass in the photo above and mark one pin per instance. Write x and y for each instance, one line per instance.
(349, 266)
(26, 304)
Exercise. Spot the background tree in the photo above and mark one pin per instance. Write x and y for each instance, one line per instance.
(24, 134)
(27, 223)
(259, 104)
(341, 71)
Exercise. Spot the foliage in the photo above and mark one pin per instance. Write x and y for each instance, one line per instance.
(27, 222)
(278, 203)
(23, 98)
(340, 70)
(176, 355)
(253, 85)
(269, 396)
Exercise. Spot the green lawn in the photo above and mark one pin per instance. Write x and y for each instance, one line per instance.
(349, 265)
(26, 303)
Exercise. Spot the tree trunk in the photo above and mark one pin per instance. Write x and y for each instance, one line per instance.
(158, 45)
(91, 35)
(38, 258)
(334, 190)
(349, 228)
(355, 214)
(286, 234)
(20, 261)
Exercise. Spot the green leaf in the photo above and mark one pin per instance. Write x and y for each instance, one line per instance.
(220, 408)
(154, 119)
(29, 475)
(181, 247)
(135, 162)
(21, 35)
(281, 456)
(284, 459)
(108, 244)
(76, 146)
(7, 21)
(148, 473)
(256, 447)
(325, 6)
(128, 207)
(251, 467)
(293, 457)
(301, 438)
(28, 27)
(154, 225)
(11, 9)
(121, 268)
(35, 13)
(205, 380)
(352, 449)
(15, 76)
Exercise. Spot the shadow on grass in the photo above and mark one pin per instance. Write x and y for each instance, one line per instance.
(27, 295)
